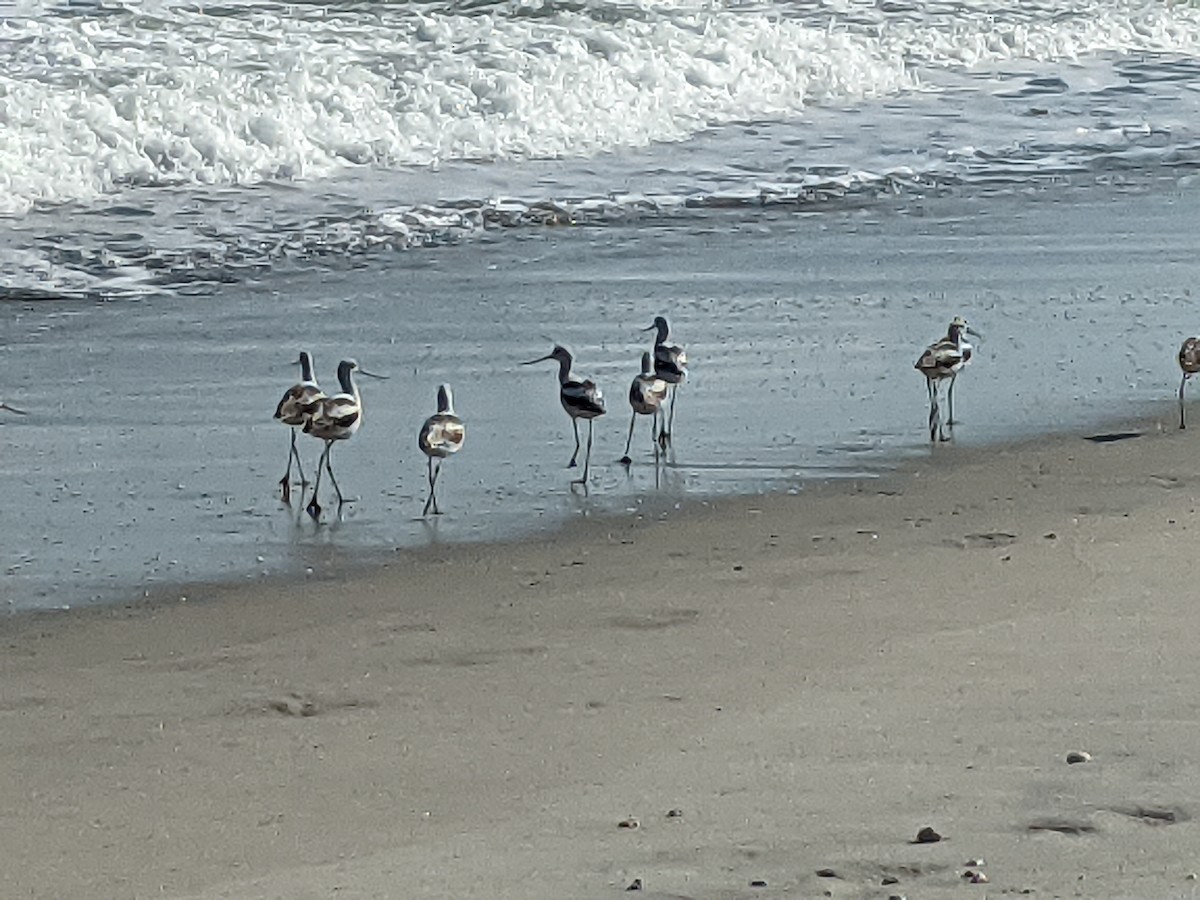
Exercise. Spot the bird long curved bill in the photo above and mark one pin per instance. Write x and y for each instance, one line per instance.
(971, 331)
(13, 409)
(362, 371)
(539, 359)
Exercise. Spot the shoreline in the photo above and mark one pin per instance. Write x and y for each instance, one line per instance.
(363, 561)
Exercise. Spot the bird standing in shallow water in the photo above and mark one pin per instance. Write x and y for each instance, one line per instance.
(335, 418)
(646, 395)
(441, 435)
(294, 409)
(941, 360)
(580, 397)
(1189, 362)
(670, 364)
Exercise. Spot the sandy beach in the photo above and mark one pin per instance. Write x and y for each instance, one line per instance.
(778, 692)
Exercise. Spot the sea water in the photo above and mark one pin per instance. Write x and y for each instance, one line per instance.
(191, 193)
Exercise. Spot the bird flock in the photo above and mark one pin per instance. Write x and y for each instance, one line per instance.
(305, 406)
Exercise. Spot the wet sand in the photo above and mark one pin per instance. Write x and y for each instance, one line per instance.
(768, 687)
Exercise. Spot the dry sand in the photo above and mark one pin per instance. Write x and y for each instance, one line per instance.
(805, 681)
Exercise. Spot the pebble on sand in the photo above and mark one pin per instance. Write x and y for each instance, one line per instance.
(927, 836)
(635, 885)
(631, 822)
(1078, 756)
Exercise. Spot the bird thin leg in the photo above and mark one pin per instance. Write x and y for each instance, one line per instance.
(950, 401)
(664, 433)
(575, 455)
(314, 508)
(587, 460)
(285, 483)
(625, 460)
(933, 409)
(429, 501)
(329, 469)
(437, 471)
(1182, 384)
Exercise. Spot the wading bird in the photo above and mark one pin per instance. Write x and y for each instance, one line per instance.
(670, 364)
(335, 418)
(646, 395)
(940, 361)
(294, 410)
(580, 397)
(1189, 362)
(441, 435)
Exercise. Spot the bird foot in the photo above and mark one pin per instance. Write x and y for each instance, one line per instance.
(314, 509)
(625, 461)
(285, 490)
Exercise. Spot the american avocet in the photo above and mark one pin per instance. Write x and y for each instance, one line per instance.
(1189, 362)
(580, 397)
(670, 364)
(941, 360)
(294, 409)
(441, 435)
(335, 418)
(646, 395)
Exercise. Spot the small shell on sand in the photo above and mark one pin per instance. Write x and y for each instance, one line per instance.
(974, 863)
(635, 885)
(975, 877)
(631, 822)
(927, 836)
(1078, 756)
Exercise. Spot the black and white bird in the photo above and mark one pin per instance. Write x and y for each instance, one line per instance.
(441, 435)
(335, 418)
(1189, 362)
(580, 397)
(944, 360)
(670, 364)
(294, 409)
(646, 395)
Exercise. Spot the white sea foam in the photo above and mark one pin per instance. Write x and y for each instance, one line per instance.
(168, 94)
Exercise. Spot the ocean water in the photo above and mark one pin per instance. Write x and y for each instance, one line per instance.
(191, 193)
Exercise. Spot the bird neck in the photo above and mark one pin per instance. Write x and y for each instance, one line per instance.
(564, 370)
(306, 369)
(346, 380)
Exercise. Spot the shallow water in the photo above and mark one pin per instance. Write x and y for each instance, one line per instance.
(148, 456)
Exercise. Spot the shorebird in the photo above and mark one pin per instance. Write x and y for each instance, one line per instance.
(941, 360)
(1189, 362)
(294, 409)
(335, 418)
(441, 435)
(670, 364)
(580, 397)
(646, 395)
